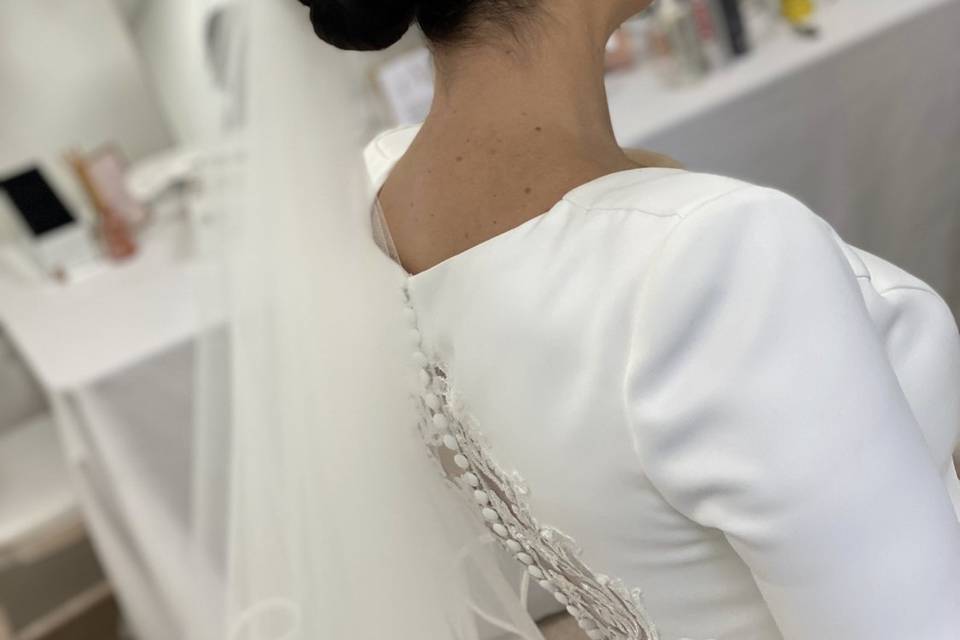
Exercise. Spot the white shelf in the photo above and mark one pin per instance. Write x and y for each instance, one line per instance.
(37, 503)
(642, 105)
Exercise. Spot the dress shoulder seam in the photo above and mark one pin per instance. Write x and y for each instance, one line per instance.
(682, 212)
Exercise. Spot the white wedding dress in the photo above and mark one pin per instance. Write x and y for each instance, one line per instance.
(718, 399)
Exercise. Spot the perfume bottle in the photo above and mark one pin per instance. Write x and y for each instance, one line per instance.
(799, 13)
(710, 30)
(736, 26)
(677, 23)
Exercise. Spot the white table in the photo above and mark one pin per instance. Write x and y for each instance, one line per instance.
(70, 334)
(114, 355)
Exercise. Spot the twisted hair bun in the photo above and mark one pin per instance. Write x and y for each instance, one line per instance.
(361, 25)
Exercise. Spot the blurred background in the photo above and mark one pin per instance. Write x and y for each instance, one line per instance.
(112, 121)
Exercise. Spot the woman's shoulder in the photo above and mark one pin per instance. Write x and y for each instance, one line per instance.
(718, 234)
(710, 216)
(732, 221)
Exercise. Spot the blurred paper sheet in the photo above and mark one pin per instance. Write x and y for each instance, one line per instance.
(407, 84)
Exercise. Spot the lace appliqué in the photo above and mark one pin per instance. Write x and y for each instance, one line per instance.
(603, 607)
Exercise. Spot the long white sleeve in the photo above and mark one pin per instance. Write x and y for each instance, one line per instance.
(762, 403)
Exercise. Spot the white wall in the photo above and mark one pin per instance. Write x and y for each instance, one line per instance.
(171, 39)
(170, 35)
(70, 78)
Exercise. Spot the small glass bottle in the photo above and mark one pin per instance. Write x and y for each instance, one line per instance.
(799, 13)
(677, 23)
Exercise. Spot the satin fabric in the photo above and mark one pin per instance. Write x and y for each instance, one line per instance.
(725, 404)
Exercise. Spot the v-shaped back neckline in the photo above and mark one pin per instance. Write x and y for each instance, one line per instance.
(384, 238)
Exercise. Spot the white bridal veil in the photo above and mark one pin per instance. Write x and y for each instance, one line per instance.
(337, 526)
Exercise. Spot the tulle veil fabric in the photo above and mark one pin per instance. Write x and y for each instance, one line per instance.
(336, 523)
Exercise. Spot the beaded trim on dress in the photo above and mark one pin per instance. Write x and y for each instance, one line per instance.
(601, 605)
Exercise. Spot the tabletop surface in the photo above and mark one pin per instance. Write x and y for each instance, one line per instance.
(73, 334)
(642, 106)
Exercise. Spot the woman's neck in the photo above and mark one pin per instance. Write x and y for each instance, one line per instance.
(513, 127)
(550, 88)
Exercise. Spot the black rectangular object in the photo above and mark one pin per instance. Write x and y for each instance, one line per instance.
(735, 26)
(39, 205)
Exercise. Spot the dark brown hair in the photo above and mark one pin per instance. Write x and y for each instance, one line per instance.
(367, 25)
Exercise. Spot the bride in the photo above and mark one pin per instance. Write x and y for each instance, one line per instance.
(685, 383)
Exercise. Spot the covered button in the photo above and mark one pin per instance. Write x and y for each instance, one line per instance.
(431, 401)
(450, 442)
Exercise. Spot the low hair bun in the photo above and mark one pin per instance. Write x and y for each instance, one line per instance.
(361, 25)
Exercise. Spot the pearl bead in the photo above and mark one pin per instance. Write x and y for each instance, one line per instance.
(500, 530)
(535, 571)
(524, 558)
(420, 359)
(481, 497)
(559, 597)
(450, 442)
(471, 479)
(572, 610)
(461, 461)
(514, 546)
(587, 624)
(595, 634)
(431, 401)
(424, 377)
(490, 515)
(440, 421)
